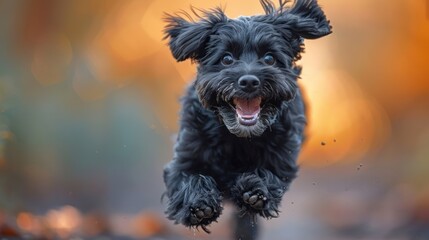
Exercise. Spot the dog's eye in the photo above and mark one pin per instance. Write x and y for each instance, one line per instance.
(227, 59)
(269, 59)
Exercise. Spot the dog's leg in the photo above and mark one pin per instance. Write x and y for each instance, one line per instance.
(194, 200)
(246, 227)
(259, 192)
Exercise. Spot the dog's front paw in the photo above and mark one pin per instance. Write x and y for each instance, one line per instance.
(260, 202)
(199, 212)
(255, 199)
(201, 215)
(197, 204)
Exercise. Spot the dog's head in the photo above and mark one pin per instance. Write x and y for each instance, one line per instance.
(246, 66)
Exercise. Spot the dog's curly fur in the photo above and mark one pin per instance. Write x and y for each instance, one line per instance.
(243, 118)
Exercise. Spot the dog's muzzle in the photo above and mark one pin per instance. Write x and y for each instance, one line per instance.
(248, 109)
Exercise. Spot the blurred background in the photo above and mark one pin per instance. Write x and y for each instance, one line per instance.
(89, 110)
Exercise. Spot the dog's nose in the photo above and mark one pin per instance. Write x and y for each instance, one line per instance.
(248, 82)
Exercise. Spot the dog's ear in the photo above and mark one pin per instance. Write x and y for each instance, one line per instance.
(305, 19)
(308, 20)
(187, 38)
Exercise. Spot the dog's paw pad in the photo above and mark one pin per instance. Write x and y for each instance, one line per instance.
(198, 214)
(255, 199)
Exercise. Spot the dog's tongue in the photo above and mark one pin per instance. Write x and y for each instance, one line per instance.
(248, 108)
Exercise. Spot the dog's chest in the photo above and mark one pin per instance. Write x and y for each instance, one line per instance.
(244, 153)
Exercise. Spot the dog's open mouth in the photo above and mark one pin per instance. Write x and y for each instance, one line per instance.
(247, 110)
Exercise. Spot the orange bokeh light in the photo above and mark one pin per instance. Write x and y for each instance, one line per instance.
(340, 115)
(25, 221)
(64, 221)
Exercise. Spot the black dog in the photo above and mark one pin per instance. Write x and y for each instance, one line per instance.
(243, 118)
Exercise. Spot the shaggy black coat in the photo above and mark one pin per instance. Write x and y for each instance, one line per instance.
(243, 118)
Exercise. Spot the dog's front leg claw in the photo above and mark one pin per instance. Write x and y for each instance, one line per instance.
(256, 199)
(200, 214)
